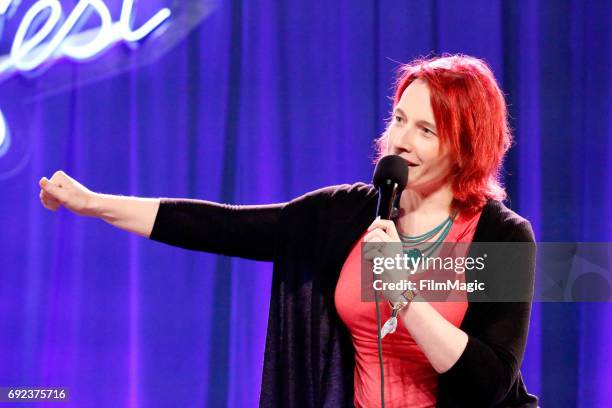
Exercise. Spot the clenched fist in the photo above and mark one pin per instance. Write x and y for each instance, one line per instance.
(63, 190)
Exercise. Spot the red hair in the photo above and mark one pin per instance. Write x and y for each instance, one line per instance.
(471, 119)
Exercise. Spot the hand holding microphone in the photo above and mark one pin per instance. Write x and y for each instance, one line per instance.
(390, 178)
(389, 247)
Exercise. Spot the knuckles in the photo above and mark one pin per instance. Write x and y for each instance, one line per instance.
(58, 175)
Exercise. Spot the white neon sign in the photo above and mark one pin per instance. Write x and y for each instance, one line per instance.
(3, 135)
(29, 54)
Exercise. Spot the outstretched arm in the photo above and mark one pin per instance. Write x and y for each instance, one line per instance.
(243, 231)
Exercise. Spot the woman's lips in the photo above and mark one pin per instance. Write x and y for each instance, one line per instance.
(408, 162)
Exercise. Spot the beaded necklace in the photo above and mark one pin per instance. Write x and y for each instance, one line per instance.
(413, 246)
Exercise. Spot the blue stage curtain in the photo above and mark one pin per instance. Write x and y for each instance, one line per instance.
(262, 102)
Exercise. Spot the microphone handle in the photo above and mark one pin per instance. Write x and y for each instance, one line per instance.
(387, 194)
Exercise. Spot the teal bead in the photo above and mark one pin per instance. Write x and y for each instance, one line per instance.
(414, 254)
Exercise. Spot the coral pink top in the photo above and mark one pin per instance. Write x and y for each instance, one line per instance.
(410, 380)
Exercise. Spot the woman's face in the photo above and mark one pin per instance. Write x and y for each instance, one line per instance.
(412, 134)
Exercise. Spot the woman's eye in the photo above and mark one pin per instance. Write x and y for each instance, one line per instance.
(398, 118)
(427, 132)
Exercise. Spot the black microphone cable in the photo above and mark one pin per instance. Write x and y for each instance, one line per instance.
(380, 353)
(390, 179)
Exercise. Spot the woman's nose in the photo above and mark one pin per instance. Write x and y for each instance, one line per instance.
(405, 140)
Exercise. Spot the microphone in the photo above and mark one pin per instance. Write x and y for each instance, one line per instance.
(390, 178)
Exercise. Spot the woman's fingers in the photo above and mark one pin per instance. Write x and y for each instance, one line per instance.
(52, 190)
(376, 235)
(380, 244)
(51, 207)
(387, 226)
(375, 241)
(50, 204)
(51, 195)
(47, 197)
(372, 253)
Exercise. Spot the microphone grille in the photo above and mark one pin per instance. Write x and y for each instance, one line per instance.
(392, 168)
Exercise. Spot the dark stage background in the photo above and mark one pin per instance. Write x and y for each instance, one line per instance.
(257, 102)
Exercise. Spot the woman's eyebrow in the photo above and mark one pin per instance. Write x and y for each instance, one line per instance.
(420, 122)
(398, 110)
(428, 124)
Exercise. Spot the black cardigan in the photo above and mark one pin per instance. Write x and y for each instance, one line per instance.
(309, 356)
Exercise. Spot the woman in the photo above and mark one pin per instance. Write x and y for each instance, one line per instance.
(449, 124)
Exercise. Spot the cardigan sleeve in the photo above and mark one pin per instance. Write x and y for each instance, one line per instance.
(246, 231)
(489, 365)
